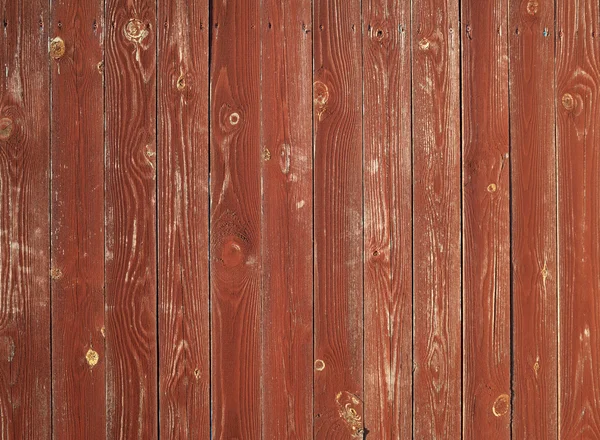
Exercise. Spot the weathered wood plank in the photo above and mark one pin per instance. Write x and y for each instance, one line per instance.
(287, 252)
(533, 204)
(130, 223)
(235, 242)
(387, 218)
(578, 140)
(486, 221)
(77, 228)
(337, 115)
(183, 307)
(25, 381)
(436, 217)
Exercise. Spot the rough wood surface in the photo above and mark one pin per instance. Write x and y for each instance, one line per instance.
(533, 213)
(387, 218)
(436, 219)
(130, 184)
(338, 241)
(77, 229)
(25, 382)
(183, 307)
(287, 253)
(578, 140)
(235, 221)
(486, 221)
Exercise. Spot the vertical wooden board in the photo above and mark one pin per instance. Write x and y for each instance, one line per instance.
(387, 218)
(533, 230)
(235, 221)
(338, 303)
(25, 381)
(77, 229)
(130, 219)
(436, 216)
(578, 139)
(287, 202)
(184, 365)
(486, 220)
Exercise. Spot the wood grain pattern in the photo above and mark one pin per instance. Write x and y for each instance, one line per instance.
(533, 229)
(578, 139)
(387, 218)
(486, 221)
(436, 219)
(287, 202)
(131, 339)
(184, 325)
(77, 228)
(25, 381)
(337, 96)
(235, 242)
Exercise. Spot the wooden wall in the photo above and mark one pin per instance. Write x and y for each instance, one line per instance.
(294, 219)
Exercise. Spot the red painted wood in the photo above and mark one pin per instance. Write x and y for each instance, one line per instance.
(338, 241)
(130, 218)
(387, 218)
(184, 323)
(486, 221)
(235, 221)
(578, 138)
(436, 219)
(77, 229)
(533, 201)
(25, 381)
(287, 203)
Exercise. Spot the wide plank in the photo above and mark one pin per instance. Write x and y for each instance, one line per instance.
(77, 229)
(287, 203)
(338, 217)
(235, 221)
(533, 214)
(387, 218)
(183, 308)
(578, 140)
(25, 379)
(436, 219)
(130, 220)
(486, 221)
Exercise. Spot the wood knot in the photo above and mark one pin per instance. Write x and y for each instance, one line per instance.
(492, 187)
(350, 409)
(55, 273)
(234, 118)
(320, 98)
(501, 405)
(135, 30)
(532, 7)
(568, 102)
(57, 48)
(6, 128)
(181, 83)
(266, 154)
(232, 254)
(424, 44)
(92, 358)
(319, 365)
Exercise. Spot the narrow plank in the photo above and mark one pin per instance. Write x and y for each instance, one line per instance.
(436, 215)
(25, 380)
(533, 230)
(184, 325)
(235, 221)
(338, 243)
(287, 202)
(486, 221)
(130, 220)
(387, 218)
(578, 138)
(77, 228)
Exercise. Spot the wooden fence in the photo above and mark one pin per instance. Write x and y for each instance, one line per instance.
(295, 219)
